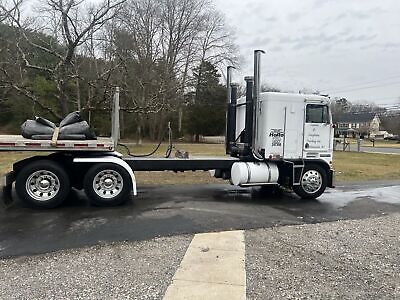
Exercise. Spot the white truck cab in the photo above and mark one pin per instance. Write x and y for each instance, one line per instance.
(280, 138)
(294, 126)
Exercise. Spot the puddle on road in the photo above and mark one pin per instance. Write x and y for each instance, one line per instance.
(336, 198)
(86, 224)
(340, 198)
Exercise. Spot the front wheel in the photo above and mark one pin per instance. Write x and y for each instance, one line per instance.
(107, 184)
(313, 182)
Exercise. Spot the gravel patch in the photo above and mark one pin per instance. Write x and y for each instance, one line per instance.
(139, 270)
(358, 259)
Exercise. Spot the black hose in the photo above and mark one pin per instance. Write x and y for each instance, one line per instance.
(170, 146)
(167, 153)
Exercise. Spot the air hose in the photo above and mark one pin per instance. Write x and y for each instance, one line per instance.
(167, 153)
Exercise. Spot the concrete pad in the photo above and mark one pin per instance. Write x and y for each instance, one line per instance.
(227, 240)
(182, 290)
(212, 268)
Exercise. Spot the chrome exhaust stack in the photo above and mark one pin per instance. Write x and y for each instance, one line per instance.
(229, 123)
(248, 129)
(256, 96)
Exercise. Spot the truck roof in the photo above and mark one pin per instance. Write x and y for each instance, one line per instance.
(293, 97)
(288, 97)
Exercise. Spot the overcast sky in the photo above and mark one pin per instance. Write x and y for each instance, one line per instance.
(345, 48)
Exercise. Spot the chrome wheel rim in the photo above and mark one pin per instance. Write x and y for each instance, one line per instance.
(311, 181)
(42, 185)
(108, 184)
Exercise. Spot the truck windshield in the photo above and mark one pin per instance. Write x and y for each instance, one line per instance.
(316, 113)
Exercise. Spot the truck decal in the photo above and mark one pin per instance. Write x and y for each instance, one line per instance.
(277, 137)
(314, 137)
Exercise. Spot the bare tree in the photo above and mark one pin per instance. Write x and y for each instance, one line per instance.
(70, 24)
(160, 42)
(217, 46)
(149, 49)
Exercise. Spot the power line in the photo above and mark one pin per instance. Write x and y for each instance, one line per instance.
(365, 88)
(389, 104)
(396, 98)
(361, 83)
(381, 104)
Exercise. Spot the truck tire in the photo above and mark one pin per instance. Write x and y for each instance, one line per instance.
(313, 182)
(107, 184)
(42, 183)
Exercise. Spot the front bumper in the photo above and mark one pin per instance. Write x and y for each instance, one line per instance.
(6, 188)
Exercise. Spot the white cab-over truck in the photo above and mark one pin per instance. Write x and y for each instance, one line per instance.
(276, 139)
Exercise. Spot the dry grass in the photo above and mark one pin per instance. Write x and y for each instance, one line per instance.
(171, 178)
(193, 149)
(350, 166)
(168, 177)
(7, 159)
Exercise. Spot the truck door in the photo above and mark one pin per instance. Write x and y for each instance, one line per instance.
(317, 129)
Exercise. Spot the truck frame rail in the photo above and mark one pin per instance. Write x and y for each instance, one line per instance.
(180, 164)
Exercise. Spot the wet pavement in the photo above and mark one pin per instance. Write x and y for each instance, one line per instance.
(172, 210)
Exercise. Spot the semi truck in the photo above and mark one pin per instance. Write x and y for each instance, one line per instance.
(272, 139)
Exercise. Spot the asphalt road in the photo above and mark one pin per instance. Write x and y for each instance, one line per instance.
(172, 210)
(379, 150)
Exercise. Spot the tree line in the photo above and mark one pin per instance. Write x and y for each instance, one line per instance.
(70, 55)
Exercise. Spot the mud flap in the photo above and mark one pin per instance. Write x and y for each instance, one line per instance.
(6, 189)
(331, 179)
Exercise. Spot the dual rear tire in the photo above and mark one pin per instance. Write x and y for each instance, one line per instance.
(43, 183)
(46, 184)
(107, 184)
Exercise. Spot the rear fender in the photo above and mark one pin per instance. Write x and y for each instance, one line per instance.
(109, 159)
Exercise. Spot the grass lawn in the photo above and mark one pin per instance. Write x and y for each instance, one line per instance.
(350, 166)
(355, 166)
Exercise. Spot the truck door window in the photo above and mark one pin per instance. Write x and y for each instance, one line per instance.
(316, 113)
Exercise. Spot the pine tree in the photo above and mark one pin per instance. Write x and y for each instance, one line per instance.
(206, 105)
